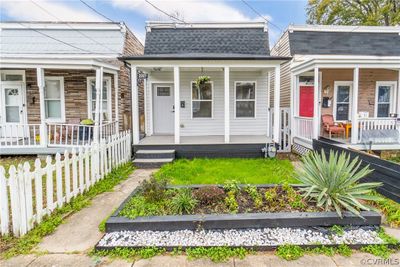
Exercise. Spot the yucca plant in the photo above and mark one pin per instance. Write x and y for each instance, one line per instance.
(333, 183)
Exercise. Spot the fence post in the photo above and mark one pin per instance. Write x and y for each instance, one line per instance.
(4, 213)
(59, 186)
(22, 201)
(87, 168)
(28, 195)
(49, 185)
(81, 156)
(14, 196)
(38, 190)
(74, 173)
(67, 176)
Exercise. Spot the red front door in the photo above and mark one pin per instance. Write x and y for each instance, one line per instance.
(306, 101)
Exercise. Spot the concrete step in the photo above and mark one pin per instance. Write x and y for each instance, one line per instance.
(155, 154)
(151, 163)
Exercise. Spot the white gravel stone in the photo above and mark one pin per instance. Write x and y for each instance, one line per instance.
(240, 237)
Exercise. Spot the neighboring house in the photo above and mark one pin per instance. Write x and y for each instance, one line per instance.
(227, 116)
(50, 82)
(350, 73)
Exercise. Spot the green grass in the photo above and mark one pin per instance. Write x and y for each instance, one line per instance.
(219, 171)
(6, 162)
(11, 246)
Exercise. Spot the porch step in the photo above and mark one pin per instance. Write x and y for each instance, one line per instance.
(151, 163)
(155, 154)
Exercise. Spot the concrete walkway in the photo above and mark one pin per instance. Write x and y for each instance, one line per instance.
(80, 232)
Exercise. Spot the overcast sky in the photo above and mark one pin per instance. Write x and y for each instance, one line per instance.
(135, 12)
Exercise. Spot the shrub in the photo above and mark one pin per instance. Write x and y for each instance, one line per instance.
(153, 189)
(209, 194)
(232, 186)
(290, 252)
(333, 183)
(271, 194)
(231, 203)
(183, 202)
(255, 195)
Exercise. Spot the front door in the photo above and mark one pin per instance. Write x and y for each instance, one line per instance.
(12, 114)
(163, 109)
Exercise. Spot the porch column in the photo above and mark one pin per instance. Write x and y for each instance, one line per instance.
(293, 104)
(99, 90)
(43, 128)
(269, 131)
(116, 91)
(135, 106)
(177, 105)
(354, 107)
(316, 104)
(226, 104)
(398, 95)
(277, 100)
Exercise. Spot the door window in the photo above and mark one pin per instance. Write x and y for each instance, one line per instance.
(12, 104)
(106, 98)
(343, 102)
(384, 99)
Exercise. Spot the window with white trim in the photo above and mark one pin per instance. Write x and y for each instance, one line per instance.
(343, 97)
(106, 114)
(202, 100)
(54, 99)
(384, 99)
(245, 99)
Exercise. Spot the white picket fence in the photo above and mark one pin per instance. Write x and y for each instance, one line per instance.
(27, 194)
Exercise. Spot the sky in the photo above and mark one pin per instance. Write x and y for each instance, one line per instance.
(135, 13)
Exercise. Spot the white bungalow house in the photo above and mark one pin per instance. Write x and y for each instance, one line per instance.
(54, 76)
(347, 74)
(226, 116)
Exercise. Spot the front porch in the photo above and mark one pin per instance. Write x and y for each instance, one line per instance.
(357, 106)
(44, 106)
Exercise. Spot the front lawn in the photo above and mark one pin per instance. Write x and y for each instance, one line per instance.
(219, 171)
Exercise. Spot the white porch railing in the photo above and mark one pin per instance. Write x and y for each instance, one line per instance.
(389, 128)
(303, 127)
(19, 135)
(27, 193)
(65, 135)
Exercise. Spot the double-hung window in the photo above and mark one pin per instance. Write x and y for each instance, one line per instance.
(245, 99)
(384, 99)
(202, 100)
(343, 100)
(54, 99)
(105, 113)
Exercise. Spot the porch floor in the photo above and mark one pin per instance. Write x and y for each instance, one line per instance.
(208, 139)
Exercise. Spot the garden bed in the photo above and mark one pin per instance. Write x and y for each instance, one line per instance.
(278, 206)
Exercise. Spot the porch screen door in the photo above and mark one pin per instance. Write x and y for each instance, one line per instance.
(12, 111)
(306, 106)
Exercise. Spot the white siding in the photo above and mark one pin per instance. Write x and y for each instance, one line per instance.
(215, 125)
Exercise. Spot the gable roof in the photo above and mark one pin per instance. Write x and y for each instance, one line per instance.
(344, 40)
(199, 39)
(103, 39)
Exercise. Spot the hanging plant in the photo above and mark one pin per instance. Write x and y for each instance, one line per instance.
(201, 80)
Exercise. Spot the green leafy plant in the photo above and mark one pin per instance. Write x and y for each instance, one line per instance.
(153, 189)
(183, 202)
(202, 80)
(333, 183)
(216, 254)
(255, 195)
(390, 208)
(380, 250)
(337, 229)
(290, 252)
(231, 203)
(344, 250)
(208, 195)
(232, 186)
(139, 206)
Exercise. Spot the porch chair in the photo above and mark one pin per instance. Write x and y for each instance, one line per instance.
(331, 127)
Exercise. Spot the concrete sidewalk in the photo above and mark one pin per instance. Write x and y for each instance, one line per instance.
(80, 232)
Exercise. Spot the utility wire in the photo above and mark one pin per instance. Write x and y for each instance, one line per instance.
(97, 12)
(261, 16)
(165, 13)
(78, 31)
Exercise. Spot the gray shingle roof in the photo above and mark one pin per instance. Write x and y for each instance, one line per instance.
(344, 43)
(250, 41)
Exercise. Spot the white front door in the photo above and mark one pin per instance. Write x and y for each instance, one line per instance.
(13, 113)
(163, 109)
